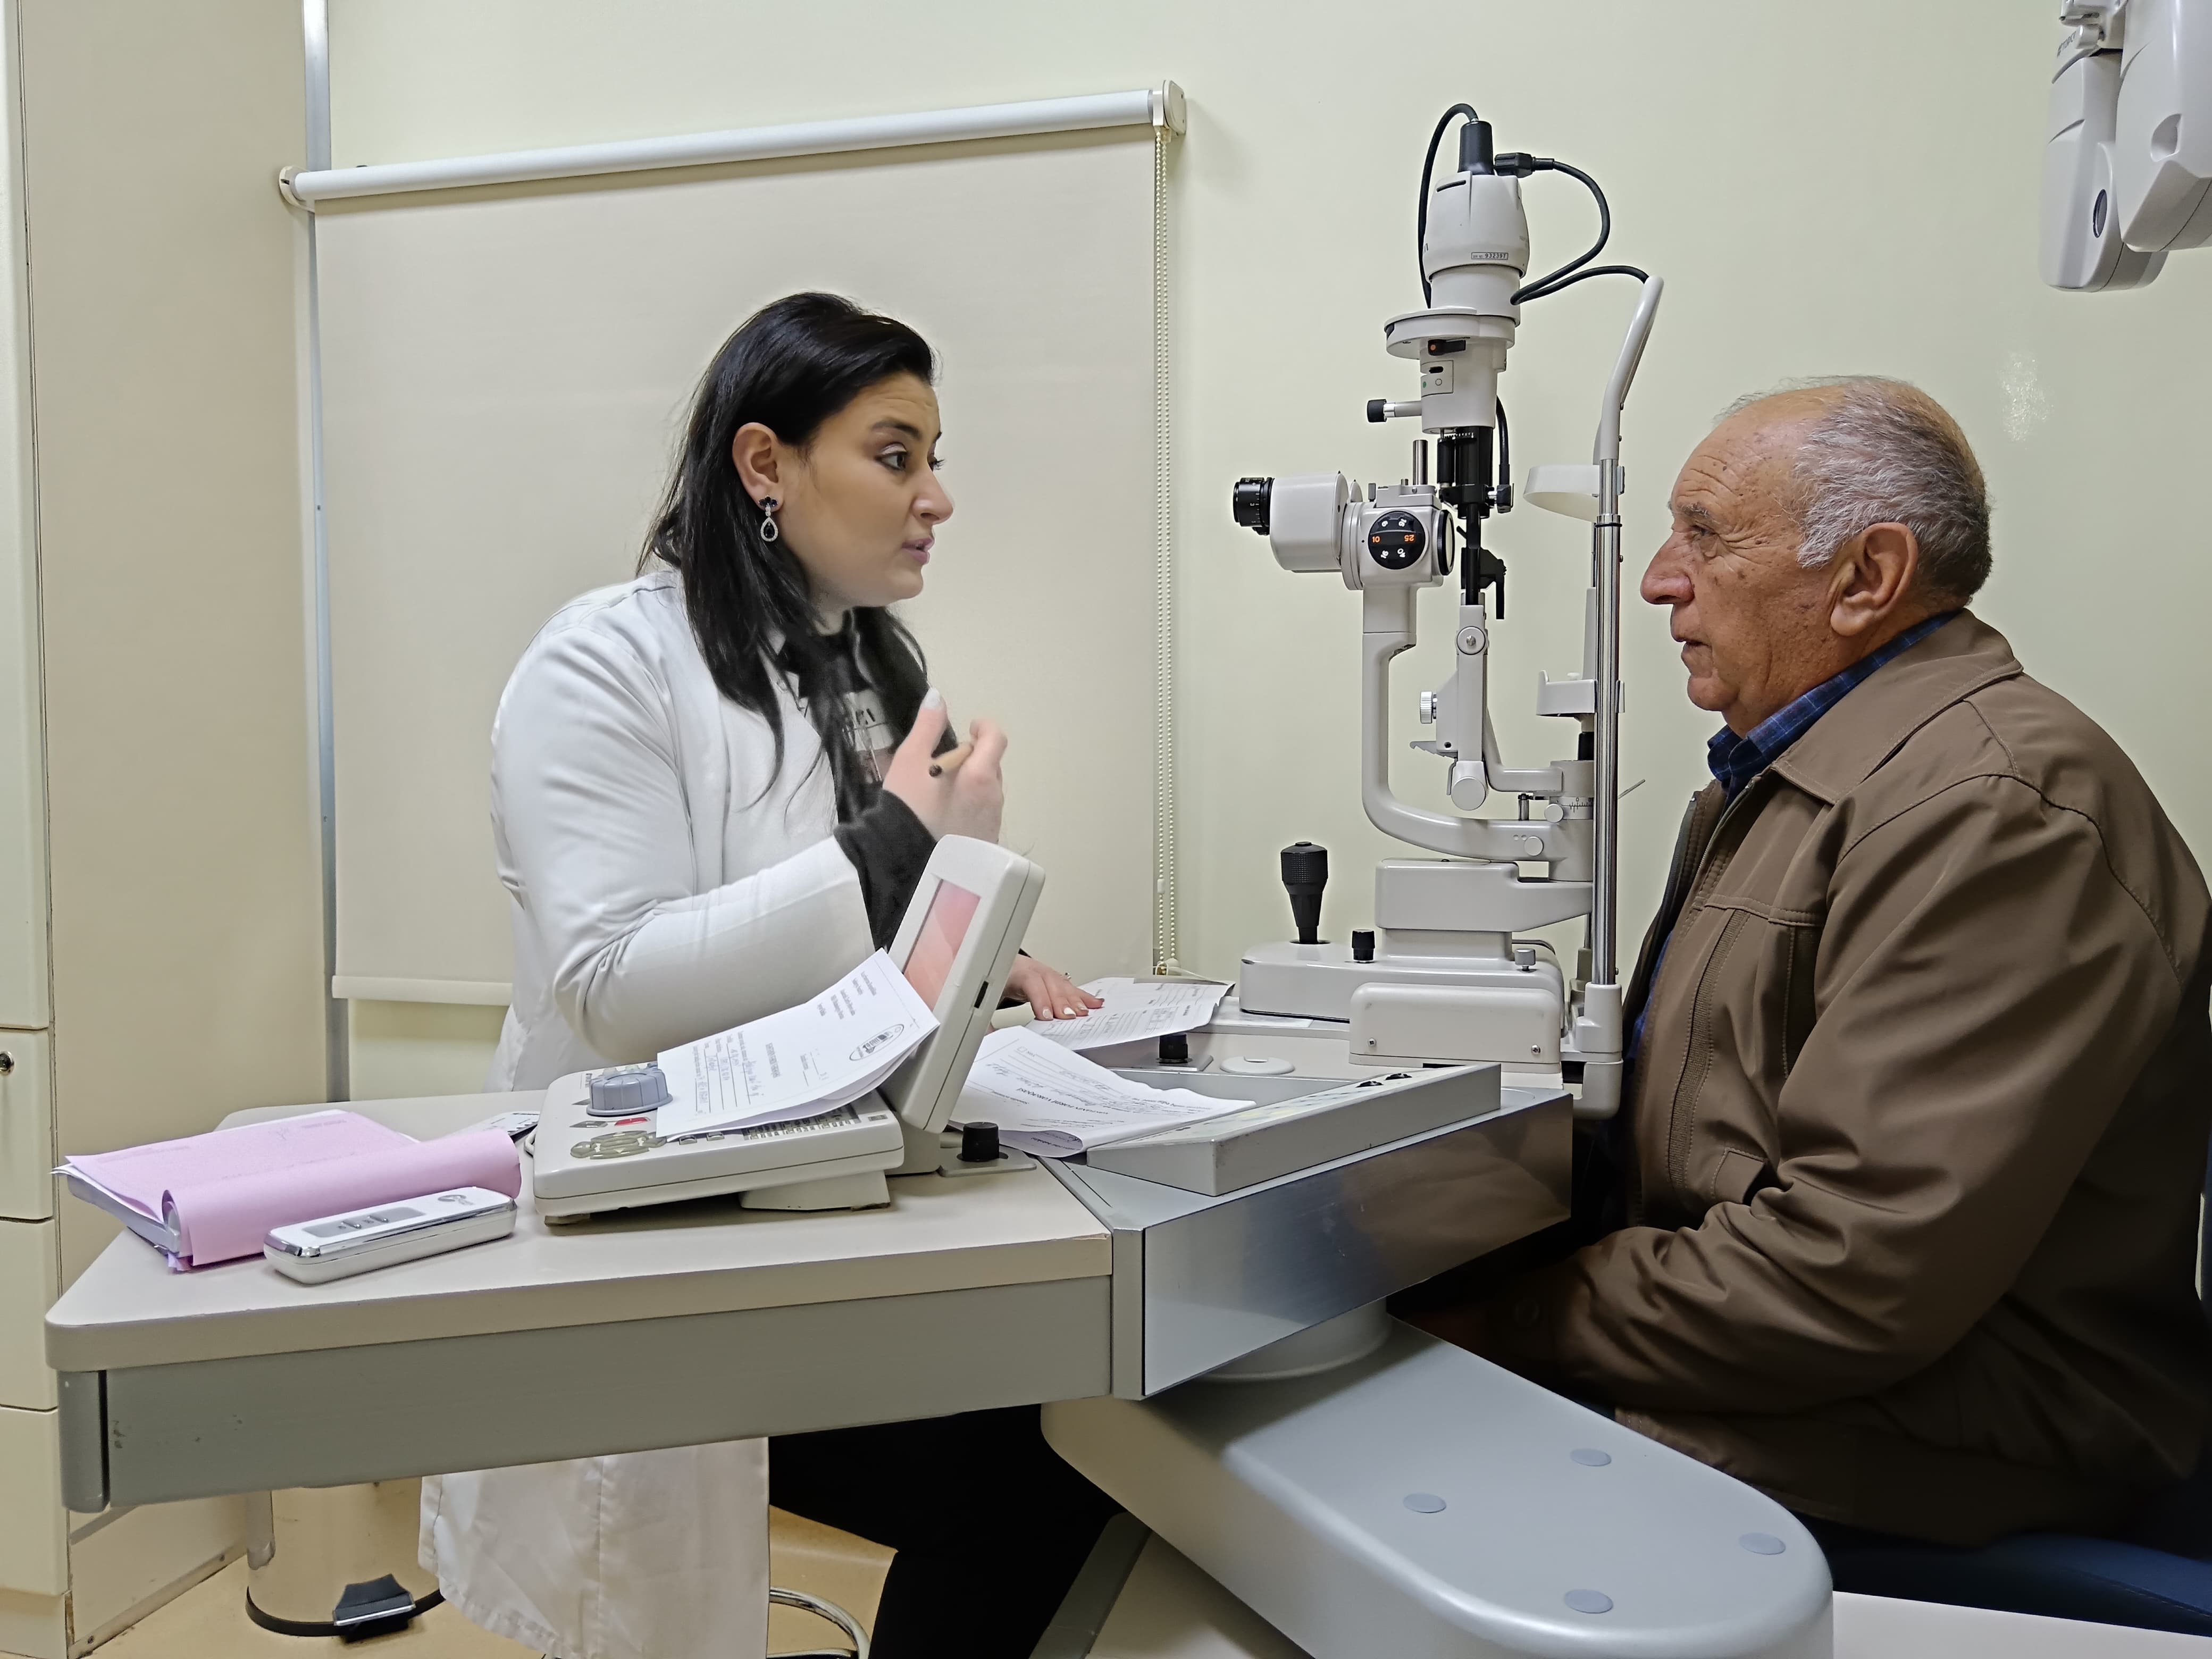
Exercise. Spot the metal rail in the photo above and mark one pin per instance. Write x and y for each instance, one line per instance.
(1160, 106)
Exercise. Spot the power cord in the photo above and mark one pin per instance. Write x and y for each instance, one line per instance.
(1428, 171)
(1520, 165)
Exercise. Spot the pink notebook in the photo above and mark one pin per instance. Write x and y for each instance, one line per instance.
(214, 1197)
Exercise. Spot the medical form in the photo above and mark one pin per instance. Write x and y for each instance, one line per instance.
(826, 1053)
(1053, 1103)
(1136, 1009)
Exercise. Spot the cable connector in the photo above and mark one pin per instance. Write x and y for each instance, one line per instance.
(1520, 164)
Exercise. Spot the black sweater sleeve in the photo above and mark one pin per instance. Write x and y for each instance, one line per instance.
(889, 847)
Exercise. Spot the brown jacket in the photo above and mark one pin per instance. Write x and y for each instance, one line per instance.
(1918, 1125)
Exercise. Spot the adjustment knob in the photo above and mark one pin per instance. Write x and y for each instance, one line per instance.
(979, 1143)
(1396, 540)
(1363, 944)
(1428, 709)
(1305, 874)
(628, 1091)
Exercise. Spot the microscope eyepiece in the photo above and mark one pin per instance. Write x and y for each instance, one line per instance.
(1247, 503)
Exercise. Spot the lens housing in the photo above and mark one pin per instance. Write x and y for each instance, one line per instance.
(1247, 503)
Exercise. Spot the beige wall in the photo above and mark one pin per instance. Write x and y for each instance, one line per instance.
(1826, 188)
(187, 910)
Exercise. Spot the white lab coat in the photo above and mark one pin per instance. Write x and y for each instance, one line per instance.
(668, 880)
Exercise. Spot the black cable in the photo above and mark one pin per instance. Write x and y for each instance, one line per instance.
(1428, 168)
(1551, 282)
(1595, 270)
(1502, 497)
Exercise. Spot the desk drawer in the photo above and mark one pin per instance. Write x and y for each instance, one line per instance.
(27, 1128)
(30, 1279)
(34, 1544)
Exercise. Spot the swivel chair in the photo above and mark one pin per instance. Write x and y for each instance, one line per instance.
(2157, 1577)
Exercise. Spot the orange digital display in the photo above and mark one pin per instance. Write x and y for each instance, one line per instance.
(951, 910)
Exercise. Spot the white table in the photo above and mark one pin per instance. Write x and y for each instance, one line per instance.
(648, 1328)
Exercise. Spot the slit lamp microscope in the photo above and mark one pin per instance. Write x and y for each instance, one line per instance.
(1442, 977)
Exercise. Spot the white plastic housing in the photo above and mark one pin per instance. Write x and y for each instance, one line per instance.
(990, 894)
(1507, 1025)
(2082, 247)
(2162, 139)
(1305, 515)
(1476, 251)
(1475, 255)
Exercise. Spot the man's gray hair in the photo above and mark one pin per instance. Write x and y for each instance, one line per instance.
(1884, 452)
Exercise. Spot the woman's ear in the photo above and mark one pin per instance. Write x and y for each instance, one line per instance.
(753, 453)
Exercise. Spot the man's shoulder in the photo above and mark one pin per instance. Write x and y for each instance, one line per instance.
(2016, 748)
(2018, 728)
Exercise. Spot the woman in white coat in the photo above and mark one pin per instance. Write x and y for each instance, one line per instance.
(712, 796)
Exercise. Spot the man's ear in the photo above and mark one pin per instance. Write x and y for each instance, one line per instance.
(753, 452)
(1873, 575)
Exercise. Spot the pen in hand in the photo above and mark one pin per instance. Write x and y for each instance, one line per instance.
(950, 759)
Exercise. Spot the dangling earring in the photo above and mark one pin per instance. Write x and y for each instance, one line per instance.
(768, 530)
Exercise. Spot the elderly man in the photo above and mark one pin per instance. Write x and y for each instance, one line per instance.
(1904, 1200)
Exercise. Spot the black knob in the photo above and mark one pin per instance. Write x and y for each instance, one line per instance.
(1175, 1049)
(979, 1143)
(1363, 944)
(1378, 410)
(1247, 503)
(1305, 873)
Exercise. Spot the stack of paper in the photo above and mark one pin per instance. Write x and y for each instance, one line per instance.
(800, 1063)
(1136, 1009)
(1053, 1103)
(214, 1197)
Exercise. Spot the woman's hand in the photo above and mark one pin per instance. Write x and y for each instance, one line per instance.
(963, 799)
(1049, 992)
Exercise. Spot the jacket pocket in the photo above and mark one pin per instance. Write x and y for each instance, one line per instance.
(1797, 949)
(1737, 1176)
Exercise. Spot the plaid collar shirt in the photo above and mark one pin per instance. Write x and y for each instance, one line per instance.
(1736, 760)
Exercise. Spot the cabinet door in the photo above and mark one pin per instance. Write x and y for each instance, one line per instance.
(34, 1544)
(27, 1126)
(30, 1278)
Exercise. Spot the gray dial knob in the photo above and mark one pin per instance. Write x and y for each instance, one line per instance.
(627, 1090)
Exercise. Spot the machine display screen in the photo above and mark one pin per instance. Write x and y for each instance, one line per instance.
(951, 910)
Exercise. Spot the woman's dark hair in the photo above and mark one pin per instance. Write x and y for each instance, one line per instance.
(791, 365)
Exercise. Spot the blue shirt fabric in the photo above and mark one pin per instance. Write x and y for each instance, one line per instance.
(1735, 761)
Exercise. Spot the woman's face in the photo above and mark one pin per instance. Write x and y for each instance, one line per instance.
(860, 506)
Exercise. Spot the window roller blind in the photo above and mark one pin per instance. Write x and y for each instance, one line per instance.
(505, 374)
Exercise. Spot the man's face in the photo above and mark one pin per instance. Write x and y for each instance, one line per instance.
(1753, 623)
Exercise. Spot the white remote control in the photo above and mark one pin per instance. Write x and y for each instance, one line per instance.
(335, 1246)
